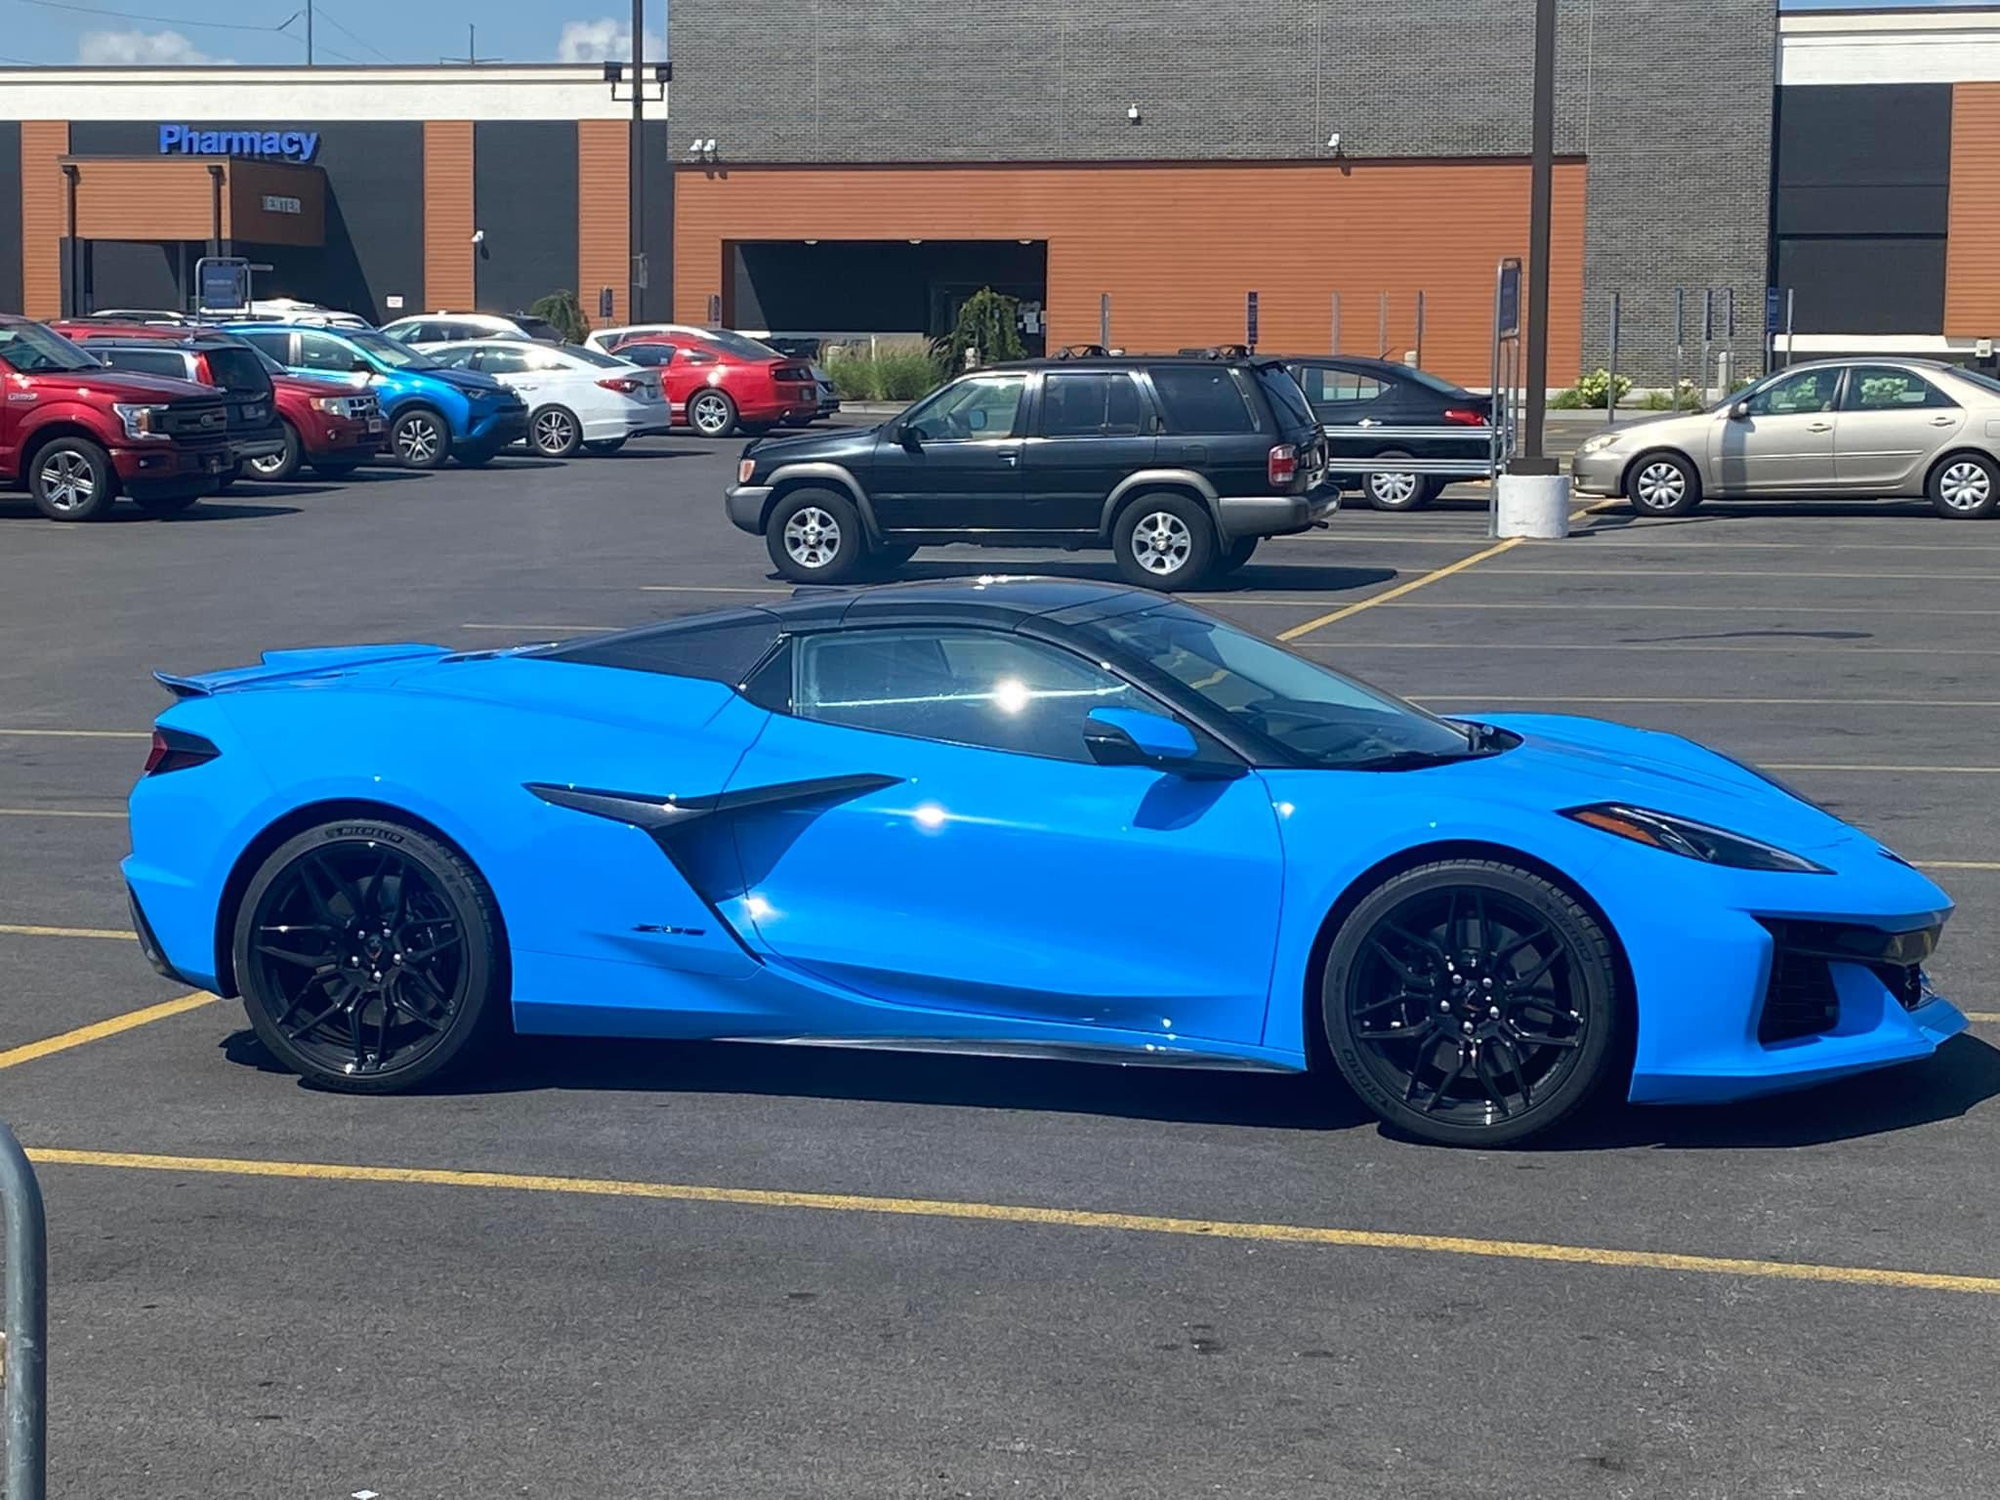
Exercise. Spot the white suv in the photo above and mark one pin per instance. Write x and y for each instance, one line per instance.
(427, 330)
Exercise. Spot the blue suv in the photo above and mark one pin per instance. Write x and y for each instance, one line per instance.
(434, 412)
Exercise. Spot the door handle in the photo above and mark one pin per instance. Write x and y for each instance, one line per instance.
(1944, 421)
(1010, 459)
(1368, 422)
(1819, 427)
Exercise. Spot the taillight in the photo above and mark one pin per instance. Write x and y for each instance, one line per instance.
(745, 469)
(625, 385)
(1465, 416)
(176, 750)
(1283, 465)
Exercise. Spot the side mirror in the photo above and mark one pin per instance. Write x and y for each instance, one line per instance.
(975, 420)
(361, 366)
(1739, 412)
(1136, 737)
(909, 435)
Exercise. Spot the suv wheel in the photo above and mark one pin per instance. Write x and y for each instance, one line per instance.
(280, 466)
(814, 536)
(420, 439)
(1164, 542)
(71, 479)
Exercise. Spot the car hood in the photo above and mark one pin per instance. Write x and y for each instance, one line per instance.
(122, 385)
(472, 382)
(1667, 425)
(1564, 762)
(840, 446)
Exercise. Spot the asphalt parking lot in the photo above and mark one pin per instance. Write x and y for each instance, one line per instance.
(618, 1270)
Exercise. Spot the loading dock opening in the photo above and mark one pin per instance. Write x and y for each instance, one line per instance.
(877, 286)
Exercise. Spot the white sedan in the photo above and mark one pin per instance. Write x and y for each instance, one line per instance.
(577, 397)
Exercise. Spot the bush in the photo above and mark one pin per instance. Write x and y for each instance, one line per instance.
(1685, 398)
(888, 375)
(988, 325)
(566, 313)
(1594, 389)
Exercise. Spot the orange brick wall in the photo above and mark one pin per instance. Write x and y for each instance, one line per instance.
(448, 247)
(603, 222)
(43, 195)
(1972, 261)
(1177, 247)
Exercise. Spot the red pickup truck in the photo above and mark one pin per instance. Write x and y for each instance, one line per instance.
(314, 419)
(77, 433)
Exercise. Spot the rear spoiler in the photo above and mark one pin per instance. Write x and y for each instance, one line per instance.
(275, 666)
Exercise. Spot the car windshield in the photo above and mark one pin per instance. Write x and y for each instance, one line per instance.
(587, 356)
(32, 349)
(387, 351)
(738, 345)
(1316, 716)
(1429, 381)
(540, 329)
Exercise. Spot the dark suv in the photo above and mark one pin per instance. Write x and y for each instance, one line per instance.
(1180, 465)
(218, 359)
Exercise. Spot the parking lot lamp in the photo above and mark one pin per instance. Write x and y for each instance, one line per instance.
(1541, 192)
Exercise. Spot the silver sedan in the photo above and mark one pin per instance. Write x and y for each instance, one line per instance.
(1868, 428)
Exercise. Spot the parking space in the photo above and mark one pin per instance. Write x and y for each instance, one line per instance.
(606, 1269)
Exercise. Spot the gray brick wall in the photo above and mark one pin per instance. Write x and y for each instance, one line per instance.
(1670, 99)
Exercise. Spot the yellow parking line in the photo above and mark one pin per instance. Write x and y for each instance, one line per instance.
(1402, 588)
(11, 929)
(1788, 650)
(1693, 609)
(1735, 573)
(1003, 1213)
(56, 812)
(77, 734)
(84, 1035)
(1983, 1017)
(1957, 864)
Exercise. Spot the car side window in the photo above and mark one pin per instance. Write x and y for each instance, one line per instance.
(1091, 404)
(275, 342)
(1203, 399)
(1885, 388)
(654, 356)
(1796, 395)
(149, 361)
(1326, 386)
(981, 407)
(981, 688)
(318, 351)
(502, 362)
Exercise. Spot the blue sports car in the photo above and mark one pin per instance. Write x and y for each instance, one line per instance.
(1014, 817)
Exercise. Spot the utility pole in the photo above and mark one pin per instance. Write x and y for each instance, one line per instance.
(309, 33)
(1541, 193)
(635, 305)
(471, 45)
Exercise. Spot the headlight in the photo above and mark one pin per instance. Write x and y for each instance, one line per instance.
(1598, 443)
(142, 422)
(337, 406)
(1692, 840)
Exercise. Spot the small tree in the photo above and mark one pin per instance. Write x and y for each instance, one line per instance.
(566, 313)
(986, 325)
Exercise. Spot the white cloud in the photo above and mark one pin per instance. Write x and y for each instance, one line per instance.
(122, 48)
(600, 41)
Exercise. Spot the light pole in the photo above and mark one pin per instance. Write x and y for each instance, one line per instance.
(1541, 194)
(635, 301)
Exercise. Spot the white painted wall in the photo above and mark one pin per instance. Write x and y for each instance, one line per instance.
(170, 95)
(1957, 46)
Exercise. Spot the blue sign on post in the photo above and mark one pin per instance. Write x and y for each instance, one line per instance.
(1250, 321)
(1507, 316)
(1774, 310)
(222, 283)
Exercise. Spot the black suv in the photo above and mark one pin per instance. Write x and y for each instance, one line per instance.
(1180, 465)
(217, 359)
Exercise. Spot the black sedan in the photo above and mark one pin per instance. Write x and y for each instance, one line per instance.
(1378, 409)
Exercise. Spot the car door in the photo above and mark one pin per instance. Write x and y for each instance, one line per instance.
(954, 462)
(1211, 426)
(1779, 438)
(1891, 421)
(978, 863)
(1092, 428)
(510, 368)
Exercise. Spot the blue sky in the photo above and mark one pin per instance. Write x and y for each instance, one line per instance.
(248, 31)
(367, 31)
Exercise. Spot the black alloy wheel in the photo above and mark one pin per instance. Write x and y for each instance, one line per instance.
(368, 956)
(1471, 1003)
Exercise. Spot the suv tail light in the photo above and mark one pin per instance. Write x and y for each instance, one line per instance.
(1283, 465)
(176, 750)
(1464, 416)
(625, 385)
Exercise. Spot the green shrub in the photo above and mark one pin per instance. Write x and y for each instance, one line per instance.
(1685, 398)
(1594, 389)
(1566, 400)
(566, 313)
(887, 375)
(988, 325)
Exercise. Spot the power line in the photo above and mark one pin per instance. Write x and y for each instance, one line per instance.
(327, 20)
(126, 15)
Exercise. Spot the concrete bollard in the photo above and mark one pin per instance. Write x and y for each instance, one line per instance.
(1531, 505)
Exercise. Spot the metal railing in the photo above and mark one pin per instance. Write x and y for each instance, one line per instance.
(24, 1372)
